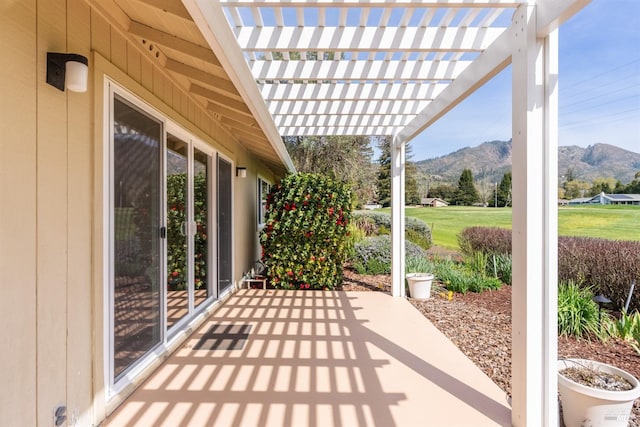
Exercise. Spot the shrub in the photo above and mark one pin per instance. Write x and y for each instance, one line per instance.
(500, 265)
(419, 264)
(489, 240)
(365, 224)
(477, 262)
(416, 230)
(176, 218)
(458, 278)
(373, 254)
(608, 266)
(304, 238)
(577, 313)
(625, 327)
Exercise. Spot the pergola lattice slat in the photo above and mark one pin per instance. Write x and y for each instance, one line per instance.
(360, 60)
(357, 70)
(351, 91)
(353, 39)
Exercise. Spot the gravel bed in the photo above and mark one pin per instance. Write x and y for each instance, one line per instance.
(480, 326)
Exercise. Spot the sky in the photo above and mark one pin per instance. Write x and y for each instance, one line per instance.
(599, 89)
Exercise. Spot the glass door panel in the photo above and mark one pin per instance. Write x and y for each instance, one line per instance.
(136, 245)
(178, 273)
(224, 225)
(201, 175)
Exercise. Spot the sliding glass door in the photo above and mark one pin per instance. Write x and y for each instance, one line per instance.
(164, 264)
(178, 239)
(224, 225)
(136, 240)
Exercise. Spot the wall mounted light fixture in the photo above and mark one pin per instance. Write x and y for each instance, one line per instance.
(241, 172)
(67, 67)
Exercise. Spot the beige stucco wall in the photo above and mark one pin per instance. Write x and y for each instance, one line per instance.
(51, 179)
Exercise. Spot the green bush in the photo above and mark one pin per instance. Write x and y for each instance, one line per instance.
(459, 278)
(418, 264)
(304, 240)
(373, 254)
(416, 230)
(500, 266)
(607, 266)
(627, 328)
(577, 313)
(489, 240)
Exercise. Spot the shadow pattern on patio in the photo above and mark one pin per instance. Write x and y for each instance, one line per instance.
(296, 358)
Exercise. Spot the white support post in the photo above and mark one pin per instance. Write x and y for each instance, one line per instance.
(397, 217)
(535, 231)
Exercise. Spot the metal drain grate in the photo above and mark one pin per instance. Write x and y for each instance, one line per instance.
(224, 337)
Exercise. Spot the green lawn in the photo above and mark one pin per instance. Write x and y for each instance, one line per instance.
(608, 222)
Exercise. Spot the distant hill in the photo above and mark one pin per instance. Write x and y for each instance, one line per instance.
(490, 160)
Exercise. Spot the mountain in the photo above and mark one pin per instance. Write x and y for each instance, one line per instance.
(490, 160)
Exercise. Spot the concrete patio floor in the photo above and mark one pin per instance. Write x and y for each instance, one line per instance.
(295, 358)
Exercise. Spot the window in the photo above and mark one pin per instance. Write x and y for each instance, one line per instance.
(263, 190)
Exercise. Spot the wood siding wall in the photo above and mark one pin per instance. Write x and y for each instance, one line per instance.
(50, 217)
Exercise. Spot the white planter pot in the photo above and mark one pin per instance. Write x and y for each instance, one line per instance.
(587, 406)
(420, 285)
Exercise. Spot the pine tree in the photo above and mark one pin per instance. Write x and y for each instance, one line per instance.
(504, 190)
(384, 174)
(467, 194)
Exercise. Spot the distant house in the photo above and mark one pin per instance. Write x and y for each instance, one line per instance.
(433, 202)
(372, 206)
(563, 202)
(579, 201)
(615, 199)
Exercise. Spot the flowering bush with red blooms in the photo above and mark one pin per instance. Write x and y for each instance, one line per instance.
(176, 241)
(304, 238)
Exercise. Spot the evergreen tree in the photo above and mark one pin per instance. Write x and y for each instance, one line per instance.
(504, 190)
(345, 158)
(384, 174)
(467, 194)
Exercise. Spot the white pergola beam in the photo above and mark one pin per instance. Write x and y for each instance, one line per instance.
(210, 19)
(535, 235)
(357, 39)
(375, 3)
(346, 107)
(338, 130)
(398, 159)
(552, 13)
(351, 91)
(339, 120)
(357, 70)
(488, 64)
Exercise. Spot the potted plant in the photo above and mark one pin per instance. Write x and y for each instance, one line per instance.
(418, 277)
(595, 394)
(420, 285)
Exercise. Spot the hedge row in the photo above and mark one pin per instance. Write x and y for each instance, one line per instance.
(608, 266)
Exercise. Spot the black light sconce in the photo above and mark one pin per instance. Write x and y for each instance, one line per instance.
(69, 68)
(241, 172)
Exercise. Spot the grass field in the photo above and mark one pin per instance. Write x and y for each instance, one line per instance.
(607, 222)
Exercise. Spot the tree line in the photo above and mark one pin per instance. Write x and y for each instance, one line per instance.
(350, 160)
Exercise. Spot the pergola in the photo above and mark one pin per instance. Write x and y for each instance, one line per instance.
(376, 67)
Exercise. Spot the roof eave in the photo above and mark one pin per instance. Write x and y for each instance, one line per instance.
(210, 20)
